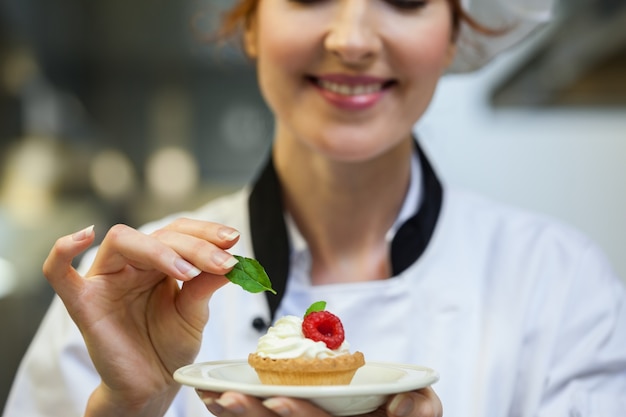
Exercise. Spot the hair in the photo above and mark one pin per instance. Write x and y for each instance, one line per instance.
(240, 16)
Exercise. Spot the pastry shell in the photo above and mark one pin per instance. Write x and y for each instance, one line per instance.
(337, 370)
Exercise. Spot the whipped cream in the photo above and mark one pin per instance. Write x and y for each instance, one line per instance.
(285, 340)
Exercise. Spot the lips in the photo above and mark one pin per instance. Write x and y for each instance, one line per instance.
(351, 92)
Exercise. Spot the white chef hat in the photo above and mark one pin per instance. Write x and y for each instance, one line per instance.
(517, 18)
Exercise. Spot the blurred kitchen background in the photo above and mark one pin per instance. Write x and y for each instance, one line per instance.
(115, 111)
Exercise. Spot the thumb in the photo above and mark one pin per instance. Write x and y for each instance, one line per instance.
(58, 269)
(421, 403)
(194, 296)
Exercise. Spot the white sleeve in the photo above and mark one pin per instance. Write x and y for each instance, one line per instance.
(587, 370)
(55, 377)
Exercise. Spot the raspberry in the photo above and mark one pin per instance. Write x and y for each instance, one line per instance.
(323, 326)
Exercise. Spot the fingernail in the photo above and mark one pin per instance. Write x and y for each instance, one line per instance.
(277, 406)
(83, 234)
(401, 405)
(186, 268)
(225, 259)
(231, 405)
(212, 405)
(227, 233)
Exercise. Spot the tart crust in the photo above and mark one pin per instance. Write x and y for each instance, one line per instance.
(338, 370)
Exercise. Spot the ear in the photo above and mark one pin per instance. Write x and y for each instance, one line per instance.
(250, 39)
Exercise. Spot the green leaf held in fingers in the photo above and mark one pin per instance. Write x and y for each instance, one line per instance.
(250, 275)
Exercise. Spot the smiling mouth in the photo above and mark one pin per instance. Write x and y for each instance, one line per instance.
(351, 89)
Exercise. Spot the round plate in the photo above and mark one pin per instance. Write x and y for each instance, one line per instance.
(369, 388)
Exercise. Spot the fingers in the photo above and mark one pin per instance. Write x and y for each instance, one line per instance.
(286, 407)
(201, 243)
(178, 250)
(422, 403)
(57, 267)
(236, 404)
(123, 246)
(219, 234)
(204, 254)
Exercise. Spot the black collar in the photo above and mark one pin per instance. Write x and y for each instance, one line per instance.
(270, 240)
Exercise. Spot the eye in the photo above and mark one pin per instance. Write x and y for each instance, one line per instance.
(408, 4)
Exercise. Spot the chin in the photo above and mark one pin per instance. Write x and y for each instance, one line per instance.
(353, 150)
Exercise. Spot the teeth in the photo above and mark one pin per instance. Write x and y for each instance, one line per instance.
(350, 90)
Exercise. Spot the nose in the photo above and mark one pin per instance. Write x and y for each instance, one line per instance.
(353, 34)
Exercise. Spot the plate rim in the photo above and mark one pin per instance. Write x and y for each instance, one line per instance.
(308, 391)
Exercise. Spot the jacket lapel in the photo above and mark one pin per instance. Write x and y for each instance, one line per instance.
(270, 240)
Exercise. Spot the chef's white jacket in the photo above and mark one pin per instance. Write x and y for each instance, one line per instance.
(520, 315)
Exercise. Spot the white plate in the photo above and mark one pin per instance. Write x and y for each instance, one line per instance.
(369, 388)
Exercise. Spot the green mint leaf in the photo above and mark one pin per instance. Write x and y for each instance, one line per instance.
(250, 275)
(316, 306)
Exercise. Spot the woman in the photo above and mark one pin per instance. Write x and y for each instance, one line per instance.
(521, 316)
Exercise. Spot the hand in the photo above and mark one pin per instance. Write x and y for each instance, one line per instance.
(421, 403)
(139, 325)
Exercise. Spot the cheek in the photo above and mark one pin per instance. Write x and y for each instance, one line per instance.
(277, 65)
(281, 59)
(421, 45)
(285, 44)
(429, 55)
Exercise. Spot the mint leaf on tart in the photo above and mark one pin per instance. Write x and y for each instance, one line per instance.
(250, 275)
(316, 306)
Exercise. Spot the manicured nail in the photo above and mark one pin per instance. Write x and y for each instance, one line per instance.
(225, 259)
(277, 406)
(227, 233)
(401, 405)
(83, 234)
(231, 405)
(186, 268)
